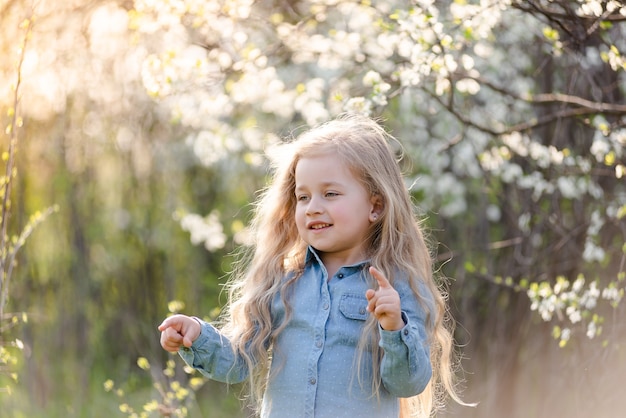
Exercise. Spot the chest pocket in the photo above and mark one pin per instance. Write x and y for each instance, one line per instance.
(354, 307)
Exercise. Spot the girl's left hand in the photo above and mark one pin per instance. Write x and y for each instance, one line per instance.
(384, 303)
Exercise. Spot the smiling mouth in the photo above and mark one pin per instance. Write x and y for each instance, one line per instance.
(319, 226)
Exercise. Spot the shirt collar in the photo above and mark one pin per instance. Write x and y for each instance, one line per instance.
(313, 257)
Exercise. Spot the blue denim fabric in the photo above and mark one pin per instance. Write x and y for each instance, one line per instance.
(314, 357)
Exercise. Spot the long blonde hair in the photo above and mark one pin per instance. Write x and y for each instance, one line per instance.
(396, 245)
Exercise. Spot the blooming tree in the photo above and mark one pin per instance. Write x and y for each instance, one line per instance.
(511, 112)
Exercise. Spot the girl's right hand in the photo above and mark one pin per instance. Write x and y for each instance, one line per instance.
(179, 330)
(384, 303)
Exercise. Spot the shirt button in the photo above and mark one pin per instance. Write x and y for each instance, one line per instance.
(326, 306)
(318, 344)
(340, 275)
(312, 381)
(362, 311)
(406, 332)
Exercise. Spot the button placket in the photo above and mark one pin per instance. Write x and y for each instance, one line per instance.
(318, 343)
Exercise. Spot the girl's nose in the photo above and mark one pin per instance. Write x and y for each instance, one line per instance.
(314, 206)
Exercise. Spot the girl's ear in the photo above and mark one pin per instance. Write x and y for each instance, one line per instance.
(377, 208)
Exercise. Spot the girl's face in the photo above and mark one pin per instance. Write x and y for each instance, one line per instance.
(333, 209)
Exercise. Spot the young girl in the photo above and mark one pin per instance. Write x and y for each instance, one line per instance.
(334, 312)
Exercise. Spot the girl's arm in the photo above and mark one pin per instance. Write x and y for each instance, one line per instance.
(405, 367)
(202, 347)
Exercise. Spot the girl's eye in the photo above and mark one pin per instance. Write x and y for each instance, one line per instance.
(332, 194)
(301, 197)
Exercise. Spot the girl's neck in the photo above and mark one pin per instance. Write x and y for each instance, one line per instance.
(333, 263)
(331, 269)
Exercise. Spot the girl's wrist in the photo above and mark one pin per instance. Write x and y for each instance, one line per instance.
(199, 321)
(397, 326)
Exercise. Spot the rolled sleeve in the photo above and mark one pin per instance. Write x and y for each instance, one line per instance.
(212, 354)
(405, 367)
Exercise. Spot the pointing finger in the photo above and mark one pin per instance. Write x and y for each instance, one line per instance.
(174, 321)
(167, 323)
(164, 325)
(380, 278)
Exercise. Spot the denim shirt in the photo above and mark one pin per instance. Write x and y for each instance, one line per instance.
(314, 364)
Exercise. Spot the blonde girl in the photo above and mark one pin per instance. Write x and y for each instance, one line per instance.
(333, 311)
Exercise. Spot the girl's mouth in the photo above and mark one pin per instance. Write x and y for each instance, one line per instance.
(319, 226)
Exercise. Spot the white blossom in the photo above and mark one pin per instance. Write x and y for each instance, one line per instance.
(592, 330)
(567, 187)
(493, 213)
(207, 230)
(359, 105)
(573, 314)
(592, 252)
(599, 148)
(468, 85)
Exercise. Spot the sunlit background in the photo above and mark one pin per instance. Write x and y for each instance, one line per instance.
(139, 132)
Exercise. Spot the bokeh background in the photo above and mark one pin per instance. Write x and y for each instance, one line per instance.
(134, 138)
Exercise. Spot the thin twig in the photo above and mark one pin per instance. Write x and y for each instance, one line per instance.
(6, 258)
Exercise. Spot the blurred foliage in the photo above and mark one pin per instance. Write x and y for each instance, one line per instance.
(143, 124)
(173, 396)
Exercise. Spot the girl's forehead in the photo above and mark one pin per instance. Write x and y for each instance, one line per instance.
(321, 161)
(327, 168)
